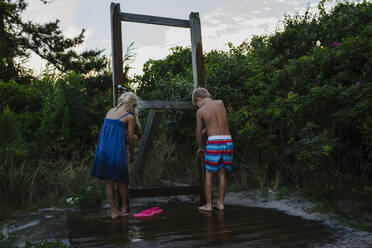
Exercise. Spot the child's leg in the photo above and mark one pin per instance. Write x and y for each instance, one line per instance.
(222, 188)
(111, 199)
(208, 188)
(123, 188)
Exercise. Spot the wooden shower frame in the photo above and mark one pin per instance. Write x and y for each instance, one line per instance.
(157, 107)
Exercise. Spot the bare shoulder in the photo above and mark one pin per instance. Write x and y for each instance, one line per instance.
(130, 117)
(108, 114)
(219, 102)
(200, 112)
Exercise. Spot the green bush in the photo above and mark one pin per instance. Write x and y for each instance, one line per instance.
(87, 197)
(20, 98)
(43, 127)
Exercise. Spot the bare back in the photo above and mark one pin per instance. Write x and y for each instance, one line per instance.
(214, 117)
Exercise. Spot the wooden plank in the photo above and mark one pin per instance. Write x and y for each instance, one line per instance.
(147, 139)
(159, 104)
(197, 51)
(116, 50)
(136, 192)
(201, 181)
(129, 17)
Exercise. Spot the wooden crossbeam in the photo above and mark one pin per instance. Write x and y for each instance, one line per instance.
(153, 191)
(129, 17)
(158, 104)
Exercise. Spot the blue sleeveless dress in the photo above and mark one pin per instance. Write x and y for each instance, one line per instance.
(111, 158)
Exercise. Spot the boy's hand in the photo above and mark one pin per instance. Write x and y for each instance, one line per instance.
(132, 158)
(201, 152)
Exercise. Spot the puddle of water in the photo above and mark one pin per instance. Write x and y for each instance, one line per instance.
(39, 226)
(184, 226)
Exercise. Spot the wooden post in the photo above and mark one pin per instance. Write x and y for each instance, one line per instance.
(116, 50)
(197, 51)
(117, 59)
(199, 79)
(152, 124)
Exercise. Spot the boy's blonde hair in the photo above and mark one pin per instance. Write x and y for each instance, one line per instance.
(128, 99)
(200, 92)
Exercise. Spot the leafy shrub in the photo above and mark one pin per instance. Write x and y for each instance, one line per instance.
(20, 98)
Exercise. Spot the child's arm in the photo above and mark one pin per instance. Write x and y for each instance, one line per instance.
(204, 131)
(131, 138)
(204, 137)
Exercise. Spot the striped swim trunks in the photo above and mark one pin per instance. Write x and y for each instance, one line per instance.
(219, 153)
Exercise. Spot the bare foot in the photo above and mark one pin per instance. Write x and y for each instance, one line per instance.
(205, 208)
(115, 215)
(123, 213)
(219, 206)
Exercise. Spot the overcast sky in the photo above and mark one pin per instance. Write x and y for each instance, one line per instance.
(221, 22)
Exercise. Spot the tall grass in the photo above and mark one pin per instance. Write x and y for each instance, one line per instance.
(45, 182)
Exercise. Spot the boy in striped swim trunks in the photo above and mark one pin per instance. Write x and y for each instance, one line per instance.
(211, 119)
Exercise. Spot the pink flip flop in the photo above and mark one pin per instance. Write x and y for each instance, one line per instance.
(145, 213)
(156, 210)
(148, 212)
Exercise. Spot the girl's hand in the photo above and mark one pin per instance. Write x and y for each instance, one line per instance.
(135, 137)
(132, 158)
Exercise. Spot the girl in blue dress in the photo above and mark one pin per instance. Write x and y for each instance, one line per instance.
(111, 158)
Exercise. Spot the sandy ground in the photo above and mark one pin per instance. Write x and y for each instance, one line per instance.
(295, 205)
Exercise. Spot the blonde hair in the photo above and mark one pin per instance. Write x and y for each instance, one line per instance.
(128, 99)
(200, 92)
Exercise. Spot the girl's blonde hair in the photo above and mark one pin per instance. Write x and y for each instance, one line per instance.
(128, 99)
